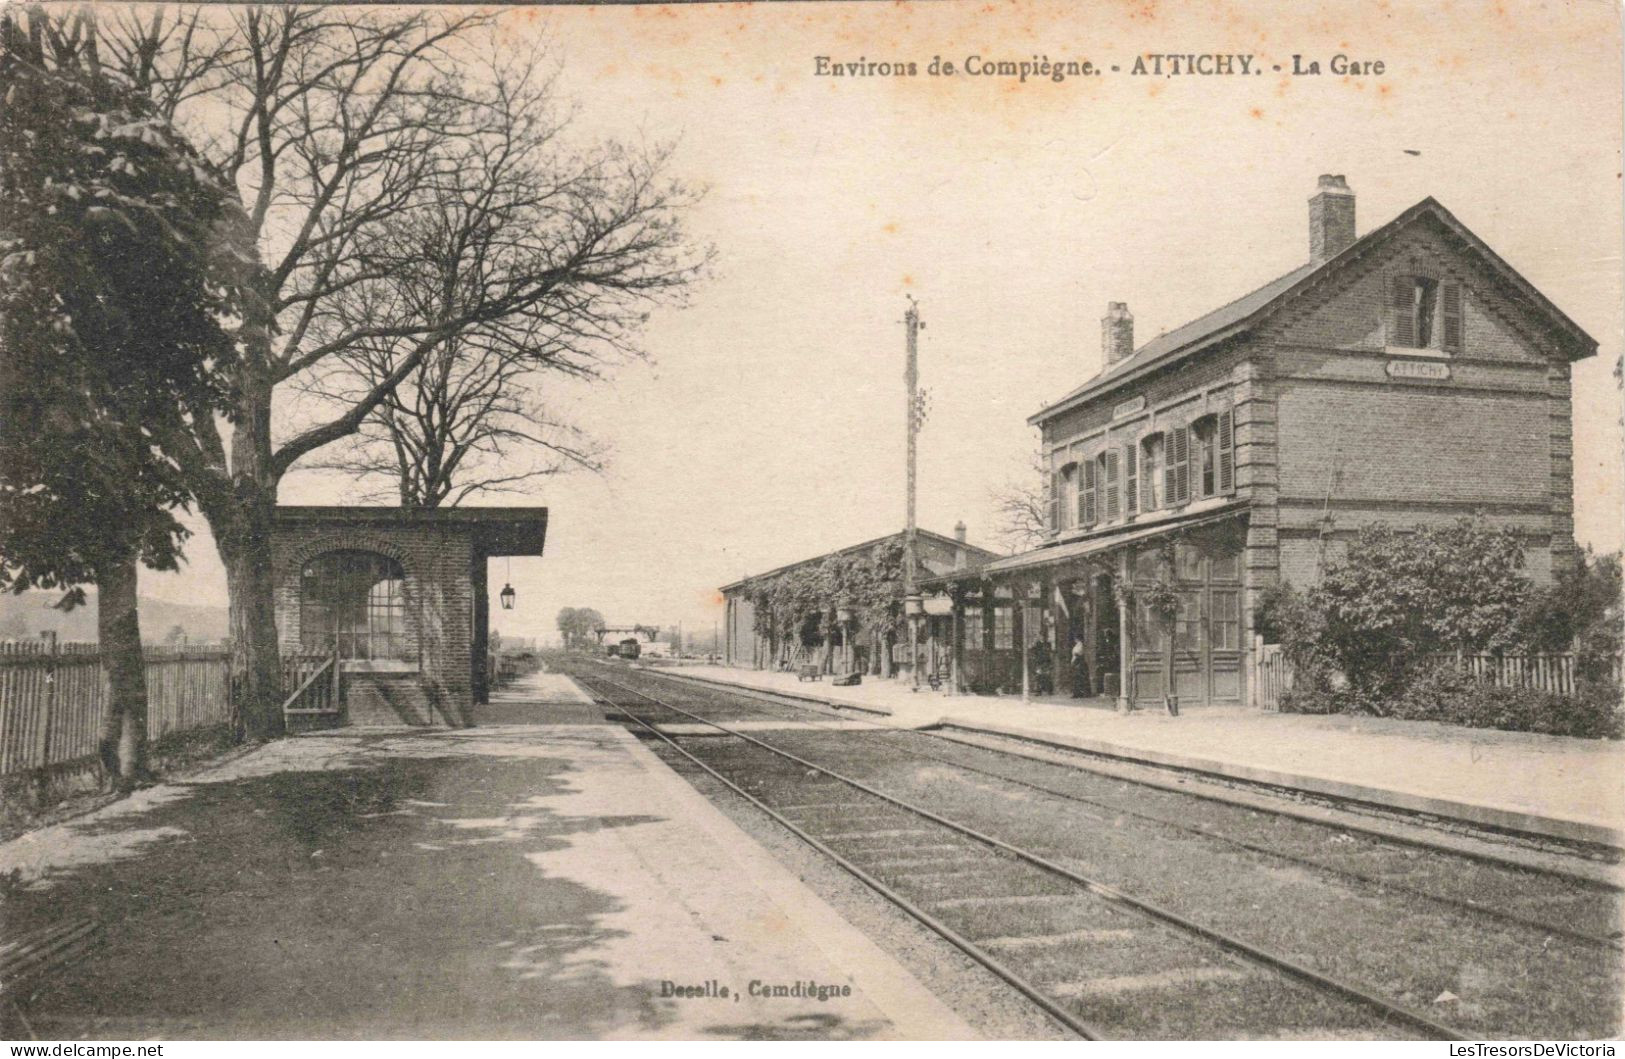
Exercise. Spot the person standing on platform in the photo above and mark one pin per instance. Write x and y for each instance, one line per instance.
(1043, 667)
(1080, 671)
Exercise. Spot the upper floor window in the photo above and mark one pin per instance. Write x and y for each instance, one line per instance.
(1069, 495)
(1424, 313)
(1150, 467)
(1213, 444)
(1205, 435)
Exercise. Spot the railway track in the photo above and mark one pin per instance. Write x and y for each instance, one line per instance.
(1370, 855)
(1101, 961)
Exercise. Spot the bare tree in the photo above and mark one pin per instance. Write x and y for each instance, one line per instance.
(410, 187)
(1021, 509)
(459, 425)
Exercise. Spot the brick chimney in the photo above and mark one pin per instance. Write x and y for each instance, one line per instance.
(1117, 332)
(960, 557)
(1331, 218)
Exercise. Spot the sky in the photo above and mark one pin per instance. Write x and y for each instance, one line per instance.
(768, 423)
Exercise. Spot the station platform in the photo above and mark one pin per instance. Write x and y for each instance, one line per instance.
(1551, 786)
(542, 875)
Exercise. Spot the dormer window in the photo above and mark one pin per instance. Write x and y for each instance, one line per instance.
(1424, 313)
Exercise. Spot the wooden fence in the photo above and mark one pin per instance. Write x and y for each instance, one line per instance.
(53, 698)
(1271, 674)
(1551, 672)
(1546, 672)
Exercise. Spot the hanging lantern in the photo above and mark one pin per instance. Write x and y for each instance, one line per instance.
(507, 596)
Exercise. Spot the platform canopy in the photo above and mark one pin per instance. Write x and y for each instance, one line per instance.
(495, 530)
(1054, 555)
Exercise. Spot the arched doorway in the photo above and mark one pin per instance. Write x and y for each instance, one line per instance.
(353, 602)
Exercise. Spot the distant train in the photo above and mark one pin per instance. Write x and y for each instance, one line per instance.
(627, 648)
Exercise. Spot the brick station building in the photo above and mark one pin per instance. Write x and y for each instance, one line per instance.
(1409, 375)
(399, 596)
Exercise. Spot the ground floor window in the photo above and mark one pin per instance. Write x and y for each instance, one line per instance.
(352, 602)
(1004, 629)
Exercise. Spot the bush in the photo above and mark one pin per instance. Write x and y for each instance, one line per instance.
(1399, 595)
(1323, 697)
(1440, 692)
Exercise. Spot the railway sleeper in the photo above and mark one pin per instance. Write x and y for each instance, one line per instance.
(1069, 937)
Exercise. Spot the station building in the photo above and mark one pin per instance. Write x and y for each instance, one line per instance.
(1409, 375)
(399, 596)
(755, 644)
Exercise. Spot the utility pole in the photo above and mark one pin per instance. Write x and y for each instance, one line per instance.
(911, 599)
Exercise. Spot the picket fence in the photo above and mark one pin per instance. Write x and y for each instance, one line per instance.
(53, 697)
(1272, 674)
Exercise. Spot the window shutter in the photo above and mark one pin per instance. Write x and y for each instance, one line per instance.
(1227, 451)
(1170, 470)
(1111, 485)
(1088, 493)
(1402, 313)
(1452, 316)
(1182, 460)
(1052, 499)
(1131, 478)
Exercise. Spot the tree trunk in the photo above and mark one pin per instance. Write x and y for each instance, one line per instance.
(242, 524)
(256, 659)
(123, 742)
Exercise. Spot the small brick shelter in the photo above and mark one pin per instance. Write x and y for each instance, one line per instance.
(400, 596)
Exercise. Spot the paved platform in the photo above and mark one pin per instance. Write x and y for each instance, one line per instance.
(1547, 785)
(542, 875)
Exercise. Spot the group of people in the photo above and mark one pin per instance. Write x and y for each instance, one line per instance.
(1042, 660)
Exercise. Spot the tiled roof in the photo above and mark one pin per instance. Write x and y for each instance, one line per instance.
(1219, 319)
(973, 553)
(1186, 338)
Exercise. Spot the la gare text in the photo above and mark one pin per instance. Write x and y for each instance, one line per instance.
(1152, 64)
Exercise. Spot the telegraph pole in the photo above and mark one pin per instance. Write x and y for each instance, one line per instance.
(911, 597)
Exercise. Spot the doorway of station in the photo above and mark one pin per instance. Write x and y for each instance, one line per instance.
(1108, 638)
(1093, 637)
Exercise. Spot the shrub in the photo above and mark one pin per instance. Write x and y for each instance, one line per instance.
(1440, 692)
(1581, 612)
(1401, 594)
(1323, 697)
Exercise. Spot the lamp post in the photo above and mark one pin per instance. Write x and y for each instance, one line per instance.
(846, 619)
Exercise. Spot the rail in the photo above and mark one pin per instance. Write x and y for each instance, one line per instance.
(1288, 966)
